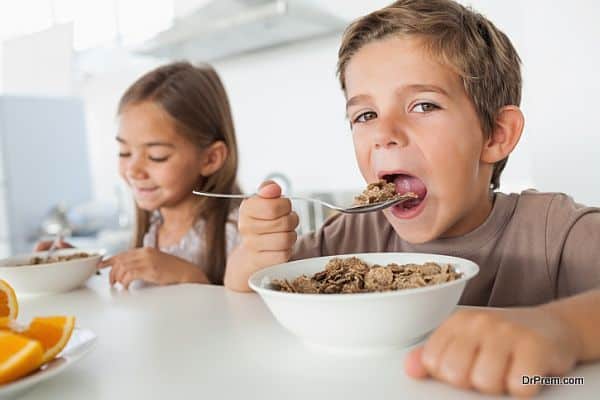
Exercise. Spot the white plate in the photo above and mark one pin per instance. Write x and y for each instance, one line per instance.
(81, 343)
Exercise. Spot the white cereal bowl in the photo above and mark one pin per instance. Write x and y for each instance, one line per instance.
(40, 279)
(362, 323)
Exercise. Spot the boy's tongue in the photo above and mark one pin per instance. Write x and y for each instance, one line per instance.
(407, 183)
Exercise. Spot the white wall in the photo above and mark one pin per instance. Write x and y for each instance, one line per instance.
(289, 111)
(39, 64)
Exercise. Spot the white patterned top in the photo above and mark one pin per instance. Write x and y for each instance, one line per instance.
(191, 246)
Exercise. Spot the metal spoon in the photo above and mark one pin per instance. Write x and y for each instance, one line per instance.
(355, 209)
(54, 246)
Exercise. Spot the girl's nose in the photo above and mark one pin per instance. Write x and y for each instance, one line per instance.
(390, 133)
(136, 168)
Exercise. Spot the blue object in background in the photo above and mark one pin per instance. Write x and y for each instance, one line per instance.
(44, 163)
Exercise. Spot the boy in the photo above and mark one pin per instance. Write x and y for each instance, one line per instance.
(432, 92)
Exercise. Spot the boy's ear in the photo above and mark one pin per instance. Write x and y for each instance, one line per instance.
(213, 158)
(505, 135)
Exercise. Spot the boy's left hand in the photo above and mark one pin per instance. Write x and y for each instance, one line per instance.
(148, 264)
(490, 350)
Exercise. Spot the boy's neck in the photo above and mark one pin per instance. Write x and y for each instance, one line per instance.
(474, 219)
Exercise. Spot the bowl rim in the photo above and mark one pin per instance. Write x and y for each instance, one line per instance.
(96, 253)
(261, 274)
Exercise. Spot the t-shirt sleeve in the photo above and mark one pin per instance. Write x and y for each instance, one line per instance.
(315, 244)
(579, 260)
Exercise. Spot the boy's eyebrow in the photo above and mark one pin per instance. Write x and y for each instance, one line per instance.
(356, 99)
(417, 87)
(424, 88)
(149, 144)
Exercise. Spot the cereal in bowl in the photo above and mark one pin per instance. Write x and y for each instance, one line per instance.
(43, 260)
(352, 275)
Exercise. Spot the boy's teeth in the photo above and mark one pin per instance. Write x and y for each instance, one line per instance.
(407, 183)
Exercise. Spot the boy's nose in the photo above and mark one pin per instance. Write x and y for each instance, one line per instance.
(389, 134)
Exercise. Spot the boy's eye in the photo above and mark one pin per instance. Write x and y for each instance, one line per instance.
(123, 155)
(425, 107)
(158, 159)
(364, 117)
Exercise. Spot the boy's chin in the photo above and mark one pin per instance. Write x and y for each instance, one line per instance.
(412, 233)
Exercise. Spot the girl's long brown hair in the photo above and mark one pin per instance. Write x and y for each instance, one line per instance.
(195, 99)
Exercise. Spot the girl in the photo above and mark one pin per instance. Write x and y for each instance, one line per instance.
(176, 135)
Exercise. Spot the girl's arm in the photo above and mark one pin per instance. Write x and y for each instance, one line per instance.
(152, 265)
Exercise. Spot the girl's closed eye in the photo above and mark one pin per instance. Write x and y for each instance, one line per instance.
(425, 107)
(158, 159)
(124, 154)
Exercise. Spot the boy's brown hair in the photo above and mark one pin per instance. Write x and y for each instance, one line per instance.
(460, 38)
(196, 101)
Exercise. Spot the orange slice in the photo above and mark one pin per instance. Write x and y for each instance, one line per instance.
(52, 332)
(8, 301)
(6, 323)
(18, 356)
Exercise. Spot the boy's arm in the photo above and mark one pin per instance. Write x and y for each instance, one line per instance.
(582, 314)
(492, 349)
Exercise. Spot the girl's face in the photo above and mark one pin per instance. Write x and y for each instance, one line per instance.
(413, 124)
(161, 166)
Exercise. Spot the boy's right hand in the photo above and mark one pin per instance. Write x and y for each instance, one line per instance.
(267, 228)
(45, 245)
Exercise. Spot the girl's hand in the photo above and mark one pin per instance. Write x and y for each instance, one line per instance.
(45, 245)
(151, 265)
(491, 350)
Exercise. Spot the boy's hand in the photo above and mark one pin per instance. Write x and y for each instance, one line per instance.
(45, 245)
(151, 265)
(267, 228)
(490, 350)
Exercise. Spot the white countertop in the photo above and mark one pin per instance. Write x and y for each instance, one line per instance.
(199, 341)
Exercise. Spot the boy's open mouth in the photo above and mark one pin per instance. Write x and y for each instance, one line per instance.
(407, 183)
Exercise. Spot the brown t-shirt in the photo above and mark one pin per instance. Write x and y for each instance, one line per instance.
(533, 247)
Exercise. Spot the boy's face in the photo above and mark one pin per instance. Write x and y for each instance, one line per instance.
(414, 124)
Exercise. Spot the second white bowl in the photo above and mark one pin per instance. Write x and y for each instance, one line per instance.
(39, 279)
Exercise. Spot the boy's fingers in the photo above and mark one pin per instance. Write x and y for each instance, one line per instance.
(527, 359)
(457, 361)
(286, 223)
(265, 209)
(279, 241)
(273, 257)
(434, 349)
(269, 190)
(489, 370)
(413, 365)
